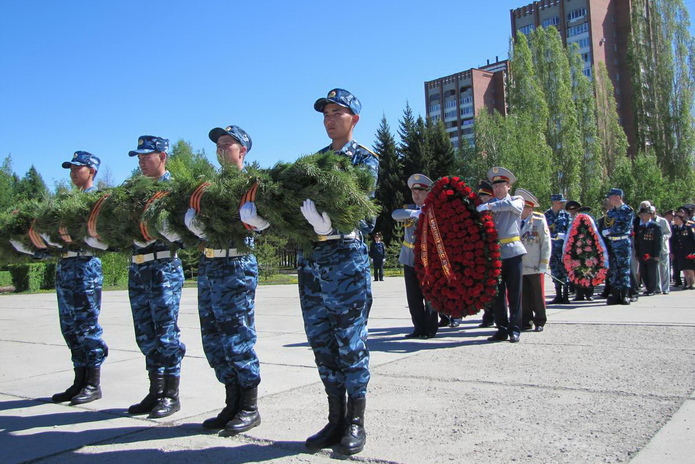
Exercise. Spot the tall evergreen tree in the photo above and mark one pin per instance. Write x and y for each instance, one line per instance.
(413, 146)
(31, 186)
(184, 162)
(441, 160)
(389, 190)
(7, 184)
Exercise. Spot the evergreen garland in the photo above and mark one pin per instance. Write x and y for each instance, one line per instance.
(69, 211)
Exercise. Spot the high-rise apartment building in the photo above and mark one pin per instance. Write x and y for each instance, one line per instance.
(456, 99)
(600, 28)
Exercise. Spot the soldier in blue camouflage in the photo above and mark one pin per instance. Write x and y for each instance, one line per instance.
(618, 230)
(155, 281)
(335, 292)
(79, 279)
(558, 222)
(227, 280)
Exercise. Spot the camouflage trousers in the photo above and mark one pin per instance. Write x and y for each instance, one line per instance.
(619, 264)
(226, 301)
(335, 292)
(154, 289)
(78, 288)
(557, 267)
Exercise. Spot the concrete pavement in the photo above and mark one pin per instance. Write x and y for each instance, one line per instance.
(600, 384)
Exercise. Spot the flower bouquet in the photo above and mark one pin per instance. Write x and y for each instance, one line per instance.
(457, 256)
(584, 254)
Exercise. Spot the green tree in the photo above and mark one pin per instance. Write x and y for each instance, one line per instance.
(7, 184)
(183, 162)
(441, 160)
(591, 174)
(661, 54)
(562, 132)
(610, 134)
(413, 147)
(389, 190)
(31, 186)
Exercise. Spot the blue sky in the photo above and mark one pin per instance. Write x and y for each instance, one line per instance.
(94, 75)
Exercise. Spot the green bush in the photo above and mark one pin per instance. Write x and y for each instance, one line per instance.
(5, 279)
(115, 267)
(32, 277)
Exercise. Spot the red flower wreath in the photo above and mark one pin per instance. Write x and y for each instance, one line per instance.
(457, 257)
(584, 253)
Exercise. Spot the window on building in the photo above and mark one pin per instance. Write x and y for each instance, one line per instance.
(467, 110)
(450, 114)
(434, 97)
(587, 72)
(551, 21)
(576, 14)
(434, 108)
(526, 30)
(586, 57)
(466, 100)
(576, 30)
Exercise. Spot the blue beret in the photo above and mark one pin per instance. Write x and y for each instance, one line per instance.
(83, 158)
(614, 191)
(237, 132)
(150, 144)
(339, 97)
(557, 197)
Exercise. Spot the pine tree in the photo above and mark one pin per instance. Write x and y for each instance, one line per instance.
(31, 187)
(7, 184)
(442, 157)
(389, 191)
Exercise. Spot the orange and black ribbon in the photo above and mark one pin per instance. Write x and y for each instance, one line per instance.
(64, 235)
(143, 227)
(250, 195)
(439, 244)
(197, 194)
(94, 215)
(35, 238)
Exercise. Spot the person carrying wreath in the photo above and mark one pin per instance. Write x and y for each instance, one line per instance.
(335, 291)
(227, 281)
(618, 229)
(422, 314)
(485, 194)
(506, 212)
(536, 239)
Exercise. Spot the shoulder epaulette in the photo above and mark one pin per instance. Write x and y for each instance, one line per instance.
(538, 215)
(370, 151)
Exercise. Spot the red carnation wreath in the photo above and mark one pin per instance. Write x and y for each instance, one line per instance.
(584, 253)
(457, 256)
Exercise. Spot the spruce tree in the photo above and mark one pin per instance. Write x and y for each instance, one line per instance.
(389, 190)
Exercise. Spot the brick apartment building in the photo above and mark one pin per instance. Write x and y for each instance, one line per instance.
(600, 28)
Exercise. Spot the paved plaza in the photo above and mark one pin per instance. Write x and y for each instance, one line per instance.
(601, 384)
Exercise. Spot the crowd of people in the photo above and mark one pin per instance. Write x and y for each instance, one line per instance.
(630, 253)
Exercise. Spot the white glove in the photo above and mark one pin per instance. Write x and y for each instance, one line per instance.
(543, 269)
(249, 215)
(561, 235)
(167, 233)
(414, 214)
(95, 243)
(19, 246)
(192, 224)
(321, 222)
(47, 239)
(605, 232)
(140, 244)
(483, 207)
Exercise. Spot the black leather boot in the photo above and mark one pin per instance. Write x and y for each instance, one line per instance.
(168, 403)
(354, 436)
(566, 294)
(150, 401)
(74, 389)
(248, 416)
(91, 390)
(332, 433)
(229, 411)
(558, 295)
(623, 298)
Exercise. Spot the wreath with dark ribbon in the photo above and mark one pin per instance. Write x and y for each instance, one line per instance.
(584, 254)
(457, 256)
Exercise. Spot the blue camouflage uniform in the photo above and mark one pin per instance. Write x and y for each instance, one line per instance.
(79, 280)
(226, 306)
(336, 295)
(618, 224)
(558, 224)
(155, 280)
